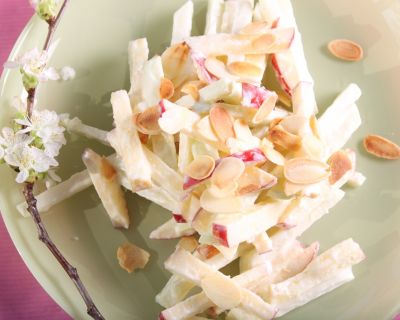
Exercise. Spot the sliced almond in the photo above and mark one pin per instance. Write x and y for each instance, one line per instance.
(346, 50)
(228, 171)
(167, 89)
(200, 168)
(243, 133)
(264, 42)
(222, 123)
(207, 251)
(204, 129)
(255, 179)
(217, 68)
(107, 170)
(226, 191)
(189, 243)
(131, 257)
(244, 69)
(340, 163)
(272, 155)
(275, 122)
(305, 171)
(257, 27)
(147, 121)
(288, 141)
(266, 108)
(381, 147)
(193, 87)
(221, 290)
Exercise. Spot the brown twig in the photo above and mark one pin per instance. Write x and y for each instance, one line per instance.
(45, 238)
(32, 202)
(53, 23)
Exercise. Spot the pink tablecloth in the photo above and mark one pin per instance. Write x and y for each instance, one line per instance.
(21, 296)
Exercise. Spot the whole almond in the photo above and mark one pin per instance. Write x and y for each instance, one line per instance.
(382, 147)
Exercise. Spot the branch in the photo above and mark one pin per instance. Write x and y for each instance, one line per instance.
(52, 26)
(69, 269)
(32, 202)
(53, 23)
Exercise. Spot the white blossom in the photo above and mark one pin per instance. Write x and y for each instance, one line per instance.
(33, 65)
(28, 159)
(9, 139)
(45, 124)
(67, 73)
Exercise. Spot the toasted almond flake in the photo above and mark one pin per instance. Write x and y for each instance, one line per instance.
(264, 42)
(284, 139)
(305, 171)
(243, 133)
(131, 257)
(201, 167)
(275, 122)
(254, 179)
(217, 68)
(147, 121)
(222, 123)
(244, 69)
(107, 170)
(381, 147)
(221, 291)
(193, 87)
(167, 89)
(189, 243)
(295, 124)
(204, 129)
(340, 163)
(265, 109)
(207, 251)
(228, 171)
(226, 191)
(346, 50)
(272, 155)
(257, 27)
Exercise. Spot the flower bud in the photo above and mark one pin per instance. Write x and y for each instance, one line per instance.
(46, 9)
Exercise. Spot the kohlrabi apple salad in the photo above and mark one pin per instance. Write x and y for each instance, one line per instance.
(243, 170)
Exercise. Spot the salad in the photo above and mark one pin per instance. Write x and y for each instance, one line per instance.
(244, 170)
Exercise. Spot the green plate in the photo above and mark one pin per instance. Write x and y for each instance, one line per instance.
(94, 36)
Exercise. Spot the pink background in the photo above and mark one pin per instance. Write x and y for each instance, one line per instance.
(21, 296)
